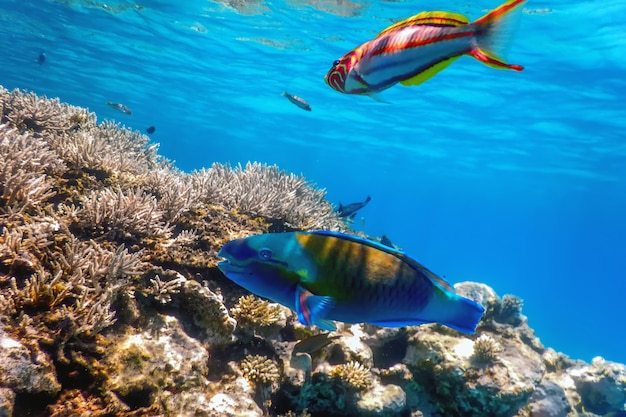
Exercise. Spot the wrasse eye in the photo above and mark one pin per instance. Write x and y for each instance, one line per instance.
(336, 63)
(265, 254)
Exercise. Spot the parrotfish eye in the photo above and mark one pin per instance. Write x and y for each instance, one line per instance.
(265, 254)
(336, 63)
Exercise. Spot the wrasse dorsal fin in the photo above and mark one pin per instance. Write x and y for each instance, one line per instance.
(429, 19)
(392, 251)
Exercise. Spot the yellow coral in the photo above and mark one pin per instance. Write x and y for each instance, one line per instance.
(260, 370)
(251, 311)
(353, 374)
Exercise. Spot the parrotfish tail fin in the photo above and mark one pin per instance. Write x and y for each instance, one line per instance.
(495, 32)
(312, 309)
(463, 314)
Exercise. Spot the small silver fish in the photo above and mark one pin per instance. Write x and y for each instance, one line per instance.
(120, 107)
(298, 101)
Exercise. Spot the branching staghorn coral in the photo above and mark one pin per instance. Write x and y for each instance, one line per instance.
(73, 133)
(163, 290)
(106, 147)
(173, 190)
(29, 112)
(117, 214)
(23, 246)
(267, 191)
(25, 165)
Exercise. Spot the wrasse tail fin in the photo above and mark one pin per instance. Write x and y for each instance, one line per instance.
(495, 33)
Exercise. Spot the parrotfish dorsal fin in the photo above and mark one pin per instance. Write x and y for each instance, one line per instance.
(429, 19)
(429, 73)
(392, 251)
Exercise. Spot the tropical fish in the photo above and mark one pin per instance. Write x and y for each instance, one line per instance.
(329, 276)
(417, 48)
(150, 130)
(351, 209)
(314, 343)
(120, 107)
(298, 101)
(384, 240)
(41, 59)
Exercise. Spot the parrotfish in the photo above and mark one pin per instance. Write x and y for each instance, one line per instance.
(330, 276)
(415, 49)
(298, 101)
(120, 107)
(350, 210)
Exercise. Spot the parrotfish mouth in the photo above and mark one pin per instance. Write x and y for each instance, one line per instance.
(226, 266)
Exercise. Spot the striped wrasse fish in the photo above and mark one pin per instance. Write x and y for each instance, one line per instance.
(415, 49)
(329, 276)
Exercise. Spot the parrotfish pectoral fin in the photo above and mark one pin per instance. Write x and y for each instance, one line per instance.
(495, 32)
(429, 73)
(311, 309)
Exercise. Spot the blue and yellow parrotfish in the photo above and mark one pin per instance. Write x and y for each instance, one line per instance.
(329, 276)
(417, 48)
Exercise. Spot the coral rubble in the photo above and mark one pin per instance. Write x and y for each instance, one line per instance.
(111, 303)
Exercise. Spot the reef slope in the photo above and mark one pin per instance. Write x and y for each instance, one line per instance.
(111, 303)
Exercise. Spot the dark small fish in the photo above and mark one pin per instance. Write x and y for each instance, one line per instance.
(42, 58)
(314, 343)
(384, 240)
(298, 101)
(150, 130)
(350, 210)
(120, 107)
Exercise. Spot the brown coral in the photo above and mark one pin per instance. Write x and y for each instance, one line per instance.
(260, 370)
(486, 349)
(353, 374)
(251, 311)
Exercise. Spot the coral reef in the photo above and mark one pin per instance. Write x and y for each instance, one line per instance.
(251, 311)
(111, 303)
(353, 374)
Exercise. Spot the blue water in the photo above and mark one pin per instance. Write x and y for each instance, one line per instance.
(514, 179)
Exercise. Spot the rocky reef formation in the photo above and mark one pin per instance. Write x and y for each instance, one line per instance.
(111, 303)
